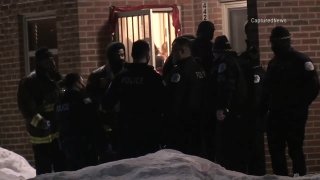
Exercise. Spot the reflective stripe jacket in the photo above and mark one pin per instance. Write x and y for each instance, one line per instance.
(36, 100)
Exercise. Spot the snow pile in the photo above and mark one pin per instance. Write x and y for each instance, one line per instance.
(14, 166)
(162, 165)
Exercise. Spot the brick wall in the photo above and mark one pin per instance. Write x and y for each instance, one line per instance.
(82, 38)
(214, 15)
(303, 21)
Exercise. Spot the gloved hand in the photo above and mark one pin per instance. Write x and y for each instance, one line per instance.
(221, 114)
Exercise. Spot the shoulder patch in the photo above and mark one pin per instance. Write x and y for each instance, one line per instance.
(164, 83)
(175, 78)
(222, 67)
(200, 74)
(308, 66)
(256, 79)
(87, 100)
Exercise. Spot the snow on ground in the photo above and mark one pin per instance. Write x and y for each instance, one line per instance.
(163, 165)
(14, 166)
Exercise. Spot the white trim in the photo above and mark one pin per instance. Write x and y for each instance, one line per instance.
(133, 13)
(152, 49)
(39, 16)
(53, 51)
(32, 17)
(225, 14)
(162, 9)
(25, 44)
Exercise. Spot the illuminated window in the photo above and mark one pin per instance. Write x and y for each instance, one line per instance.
(39, 30)
(152, 25)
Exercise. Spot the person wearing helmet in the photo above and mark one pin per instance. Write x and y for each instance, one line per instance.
(37, 95)
(291, 84)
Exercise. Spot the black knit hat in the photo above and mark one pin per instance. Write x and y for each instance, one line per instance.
(71, 79)
(280, 33)
(205, 30)
(221, 43)
(43, 54)
(113, 49)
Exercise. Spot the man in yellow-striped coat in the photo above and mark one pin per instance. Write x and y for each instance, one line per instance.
(37, 95)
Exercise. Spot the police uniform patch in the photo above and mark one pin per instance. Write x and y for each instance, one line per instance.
(87, 100)
(175, 77)
(308, 66)
(164, 83)
(256, 79)
(222, 67)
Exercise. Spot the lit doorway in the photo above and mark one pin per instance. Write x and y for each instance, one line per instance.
(152, 25)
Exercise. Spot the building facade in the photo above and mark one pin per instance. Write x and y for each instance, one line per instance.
(79, 36)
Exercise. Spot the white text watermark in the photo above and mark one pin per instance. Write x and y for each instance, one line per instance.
(268, 20)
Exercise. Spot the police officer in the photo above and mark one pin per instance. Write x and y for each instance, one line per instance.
(77, 129)
(254, 75)
(230, 91)
(291, 84)
(37, 95)
(202, 46)
(185, 86)
(202, 49)
(168, 65)
(98, 82)
(138, 93)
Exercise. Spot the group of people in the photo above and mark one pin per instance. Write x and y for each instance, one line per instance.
(208, 102)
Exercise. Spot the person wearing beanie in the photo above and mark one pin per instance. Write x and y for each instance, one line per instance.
(100, 78)
(202, 46)
(291, 84)
(254, 74)
(97, 84)
(37, 95)
(221, 43)
(228, 93)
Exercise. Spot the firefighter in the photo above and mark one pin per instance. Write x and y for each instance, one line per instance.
(291, 84)
(138, 94)
(184, 86)
(230, 93)
(37, 95)
(254, 75)
(77, 129)
(98, 82)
